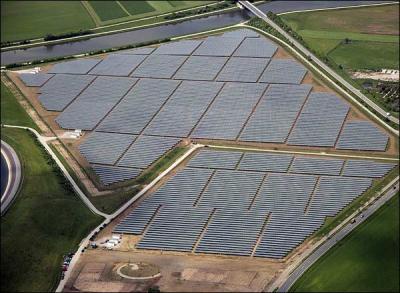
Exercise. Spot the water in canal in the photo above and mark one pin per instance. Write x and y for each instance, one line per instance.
(4, 174)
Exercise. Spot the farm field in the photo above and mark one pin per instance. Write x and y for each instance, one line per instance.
(367, 260)
(11, 112)
(43, 224)
(25, 20)
(371, 31)
(110, 12)
(34, 19)
(355, 39)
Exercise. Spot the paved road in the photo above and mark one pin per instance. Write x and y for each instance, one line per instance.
(303, 267)
(14, 176)
(325, 67)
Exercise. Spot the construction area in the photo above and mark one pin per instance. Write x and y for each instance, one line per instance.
(283, 153)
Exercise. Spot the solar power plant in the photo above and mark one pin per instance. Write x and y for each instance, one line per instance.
(138, 51)
(218, 46)
(223, 87)
(81, 66)
(319, 166)
(230, 189)
(145, 150)
(215, 206)
(62, 89)
(159, 66)
(243, 69)
(284, 232)
(256, 47)
(283, 71)
(285, 193)
(362, 168)
(362, 135)
(320, 121)
(276, 113)
(86, 111)
(111, 174)
(117, 65)
(232, 232)
(334, 193)
(229, 112)
(185, 47)
(175, 229)
(37, 79)
(265, 162)
(105, 148)
(201, 68)
(241, 33)
(184, 108)
(216, 159)
(139, 106)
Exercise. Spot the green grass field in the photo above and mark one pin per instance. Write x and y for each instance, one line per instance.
(46, 220)
(365, 261)
(366, 55)
(373, 32)
(368, 20)
(107, 10)
(11, 112)
(137, 7)
(34, 19)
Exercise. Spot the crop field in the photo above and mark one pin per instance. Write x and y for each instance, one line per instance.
(116, 11)
(33, 19)
(382, 20)
(137, 7)
(107, 10)
(365, 261)
(372, 31)
(367, 55)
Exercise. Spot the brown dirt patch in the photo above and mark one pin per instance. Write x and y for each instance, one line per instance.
(183, 273)
(282, 54)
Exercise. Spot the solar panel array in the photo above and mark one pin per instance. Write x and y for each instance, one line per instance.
(138, 107)
(362, 168)
(184, 109)
(276, 113)
(35, 79)
(105, 148)
(320, 121)
(317, 166)
(185, 47)
(243, 69)
(226, 86)
(362, 135)
(110, 174)
(201, 68)
(256, 47)
(218, 46)
(62, 89)
(80, 66)
(159, 66)
(138, 51)
(214, 205)
(229, 112)
(145, 150)
(95, 102)
(283, 71)
(117, 65)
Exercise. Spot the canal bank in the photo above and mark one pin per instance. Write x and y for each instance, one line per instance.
(164, 31)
